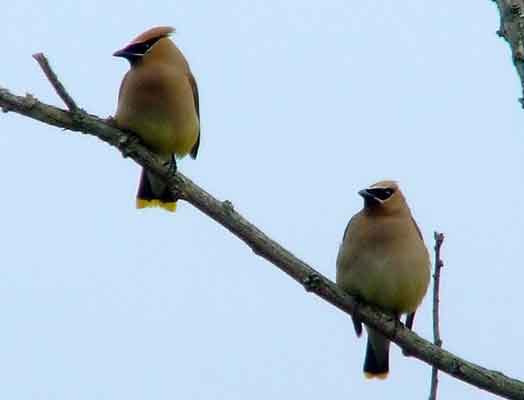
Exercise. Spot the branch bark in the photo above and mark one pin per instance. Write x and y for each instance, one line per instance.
(512, 30)
(224, 213)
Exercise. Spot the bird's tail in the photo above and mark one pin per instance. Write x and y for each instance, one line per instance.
(152, 192)
(376, 364)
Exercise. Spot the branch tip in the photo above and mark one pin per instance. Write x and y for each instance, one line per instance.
(439, 239)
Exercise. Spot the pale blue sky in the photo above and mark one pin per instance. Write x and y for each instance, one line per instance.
(303, 103)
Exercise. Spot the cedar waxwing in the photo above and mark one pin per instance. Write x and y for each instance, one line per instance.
(158, 100)
(383, 261)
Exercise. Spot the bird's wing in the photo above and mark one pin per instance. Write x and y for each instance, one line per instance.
(417, 228)
(194, 88)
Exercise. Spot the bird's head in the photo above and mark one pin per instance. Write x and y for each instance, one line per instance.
(143, 43)
(383, 197)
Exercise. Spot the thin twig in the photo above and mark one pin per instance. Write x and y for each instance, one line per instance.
(225, 214)
(53, 79)
(439, 239)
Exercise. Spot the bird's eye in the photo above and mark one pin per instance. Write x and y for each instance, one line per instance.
(139, 49)
(382, 193)
(143, 48)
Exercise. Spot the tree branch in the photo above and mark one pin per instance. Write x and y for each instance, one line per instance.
(224, 213)
(512, 29)
(439, 239)
(53, 79)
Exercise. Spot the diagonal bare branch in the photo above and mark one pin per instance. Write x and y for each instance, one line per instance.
(224, 213)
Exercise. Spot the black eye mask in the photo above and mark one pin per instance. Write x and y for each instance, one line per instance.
(381, 193)
(139, 49)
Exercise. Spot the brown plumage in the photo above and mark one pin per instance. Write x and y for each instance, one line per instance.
(153, 33)
(158, 100)
(383, 261)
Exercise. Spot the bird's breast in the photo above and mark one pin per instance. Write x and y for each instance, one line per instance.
(158, 105)
(390, 272)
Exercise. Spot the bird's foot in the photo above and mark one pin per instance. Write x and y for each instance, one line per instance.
(111, 121)
(172, 165)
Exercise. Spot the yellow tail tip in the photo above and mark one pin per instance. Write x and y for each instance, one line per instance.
(381, 376)
(169, 206)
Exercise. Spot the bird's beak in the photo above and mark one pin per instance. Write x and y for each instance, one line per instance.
(369, 198)
(121, 53)
(366, 194)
